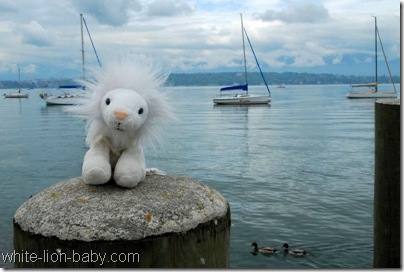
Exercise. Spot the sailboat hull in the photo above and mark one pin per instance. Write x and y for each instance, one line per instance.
(242, 99)
(16, 95)
(67, 99)
(371, 94)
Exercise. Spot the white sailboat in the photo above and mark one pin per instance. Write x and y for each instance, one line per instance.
(18, 94)
(243, 98)
(75, 98)
(372, 90)
(65, 98)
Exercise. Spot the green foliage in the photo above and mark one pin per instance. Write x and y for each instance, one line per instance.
(288, 78)
(226, 79)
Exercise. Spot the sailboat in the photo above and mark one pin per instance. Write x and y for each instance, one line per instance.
(75, 98)
(243, 98)
(18, 94)
(65, 98)
(373, 91)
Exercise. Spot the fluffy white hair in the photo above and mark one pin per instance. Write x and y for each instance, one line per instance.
(125, 72)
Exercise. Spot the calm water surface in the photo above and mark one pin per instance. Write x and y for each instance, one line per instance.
(298, 171)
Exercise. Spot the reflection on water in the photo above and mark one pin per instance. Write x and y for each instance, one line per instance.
(298, 171)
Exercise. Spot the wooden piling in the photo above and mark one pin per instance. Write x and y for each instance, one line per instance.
(387, 185)
(164, 222)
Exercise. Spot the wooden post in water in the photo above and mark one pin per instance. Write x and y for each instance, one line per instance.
(164, 222)
(387, 185)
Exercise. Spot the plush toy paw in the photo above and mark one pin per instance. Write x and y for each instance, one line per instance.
(96, 176)
(130, 168)
(96, 169)
(129, 179)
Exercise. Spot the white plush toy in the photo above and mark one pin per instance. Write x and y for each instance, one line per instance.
(124, 103)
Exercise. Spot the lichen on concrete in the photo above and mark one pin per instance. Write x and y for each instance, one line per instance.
(72, 210)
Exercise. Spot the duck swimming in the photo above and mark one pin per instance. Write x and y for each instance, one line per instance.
(298, 252)
(263, 250)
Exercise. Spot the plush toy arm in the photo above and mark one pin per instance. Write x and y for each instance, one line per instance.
(131, 167)
(96, 165)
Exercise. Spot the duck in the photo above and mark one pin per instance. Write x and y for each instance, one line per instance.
(298, 252)
(264, 250)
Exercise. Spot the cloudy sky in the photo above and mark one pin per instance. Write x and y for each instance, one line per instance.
(320, 36)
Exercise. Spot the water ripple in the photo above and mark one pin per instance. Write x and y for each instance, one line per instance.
(298, 171)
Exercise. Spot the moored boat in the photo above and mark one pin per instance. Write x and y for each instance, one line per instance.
(243, 98)
(17, 94)
(372, 90)
(72, 98)
(64, 99)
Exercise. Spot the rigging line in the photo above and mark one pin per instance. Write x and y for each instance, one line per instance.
(95, 51)
(256, 60)
(245, 62)
(375, 51)
(385, 59)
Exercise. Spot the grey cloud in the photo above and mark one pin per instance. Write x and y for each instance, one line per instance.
(33, 33)
(297, 12)
(109, 12)
(168, 8)
(8, 6)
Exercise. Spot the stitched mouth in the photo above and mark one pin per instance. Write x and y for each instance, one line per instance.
(118, 127)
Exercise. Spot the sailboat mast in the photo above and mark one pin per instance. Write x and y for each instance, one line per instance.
(19, 78)
(375, 51)
(82, 46)
(245, 62)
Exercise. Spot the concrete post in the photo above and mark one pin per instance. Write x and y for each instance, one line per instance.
(387, 185)
(164, 222)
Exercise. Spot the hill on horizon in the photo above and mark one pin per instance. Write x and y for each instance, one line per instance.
(225, 78)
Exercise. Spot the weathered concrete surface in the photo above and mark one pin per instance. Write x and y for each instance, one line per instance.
(72, 210)
(387, 204)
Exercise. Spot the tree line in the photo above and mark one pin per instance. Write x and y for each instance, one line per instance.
(226, 78)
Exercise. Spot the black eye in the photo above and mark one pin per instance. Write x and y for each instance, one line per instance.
(107, 101)
(140, 111)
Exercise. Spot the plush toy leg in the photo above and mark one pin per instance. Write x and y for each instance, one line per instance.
(96, 166)
(130, 168)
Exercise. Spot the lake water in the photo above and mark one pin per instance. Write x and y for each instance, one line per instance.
(299, 171)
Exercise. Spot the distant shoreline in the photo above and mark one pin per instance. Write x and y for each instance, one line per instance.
(225, 78)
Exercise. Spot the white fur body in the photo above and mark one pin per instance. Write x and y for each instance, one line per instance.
(124, 104)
